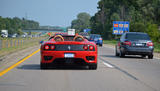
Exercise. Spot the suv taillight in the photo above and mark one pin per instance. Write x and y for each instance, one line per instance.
(149, 44)
(127, 43)
(100, 38)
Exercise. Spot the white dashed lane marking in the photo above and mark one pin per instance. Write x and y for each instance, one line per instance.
(108, 65)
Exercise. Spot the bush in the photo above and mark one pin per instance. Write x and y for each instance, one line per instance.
(152, 30)
(137, 27)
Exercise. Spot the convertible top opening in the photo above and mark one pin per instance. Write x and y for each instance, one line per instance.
(59, 38)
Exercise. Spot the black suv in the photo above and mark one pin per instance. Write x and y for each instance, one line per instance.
(135, 43)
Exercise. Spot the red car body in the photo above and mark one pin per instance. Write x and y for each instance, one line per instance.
(68, 53)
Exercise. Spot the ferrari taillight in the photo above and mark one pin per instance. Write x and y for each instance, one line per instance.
(46, 47)
(91, 47)
(52, 47)
(49, 47)
(85, 47)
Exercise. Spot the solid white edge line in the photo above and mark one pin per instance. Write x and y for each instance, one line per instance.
(156, 58)
(108, 65)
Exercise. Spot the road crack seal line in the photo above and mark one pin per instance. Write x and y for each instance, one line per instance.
(121, 70)
(128, 74)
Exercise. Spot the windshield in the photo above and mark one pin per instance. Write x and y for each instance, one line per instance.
(97, 36)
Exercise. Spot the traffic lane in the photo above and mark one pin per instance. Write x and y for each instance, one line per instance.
(145, 70)
(29, 77)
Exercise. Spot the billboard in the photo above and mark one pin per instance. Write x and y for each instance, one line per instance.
(87, 30)
(120, 27)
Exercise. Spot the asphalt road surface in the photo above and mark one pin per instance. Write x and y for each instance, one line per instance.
(131, 73)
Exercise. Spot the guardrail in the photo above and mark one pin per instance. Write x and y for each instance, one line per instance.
(16, 42)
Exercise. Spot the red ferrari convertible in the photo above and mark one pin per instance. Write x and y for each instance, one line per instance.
(68, 50)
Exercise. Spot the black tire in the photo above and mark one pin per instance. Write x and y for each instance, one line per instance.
(100, 45)
(43, 66)
(93, 67)
(150, 56)
(116, 53)
(121, 54)
(143, 56)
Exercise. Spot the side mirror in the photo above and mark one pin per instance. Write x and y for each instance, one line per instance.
(41, 42)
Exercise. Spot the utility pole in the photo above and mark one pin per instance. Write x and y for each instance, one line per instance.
(26, 17)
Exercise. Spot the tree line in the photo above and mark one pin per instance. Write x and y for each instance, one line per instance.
(82, 22)
(143, 15)
(15, 25)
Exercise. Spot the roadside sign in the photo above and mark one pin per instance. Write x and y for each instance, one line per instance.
(120, 27)
(87, 30)
(71, 31)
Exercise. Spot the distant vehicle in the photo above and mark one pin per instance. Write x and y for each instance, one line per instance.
(9, 35)
(24, 35)
(97, 39)
(84, 34)
(14, 35)
(4, 33)
(68, 50)
(135, 43)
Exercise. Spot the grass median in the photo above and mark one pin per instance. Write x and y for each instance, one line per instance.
(28, 43)
(113, 42)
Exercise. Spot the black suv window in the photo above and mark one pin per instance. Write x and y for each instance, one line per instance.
(91, 36)
(98, 36)
(137, 37)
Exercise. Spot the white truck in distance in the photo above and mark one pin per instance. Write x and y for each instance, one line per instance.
(4, 33)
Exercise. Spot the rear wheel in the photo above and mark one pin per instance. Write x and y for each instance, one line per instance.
(143, 56)
(121, 54)
(43, 66)
(93, 67)
(116, 53)
(100, 45)
(150, 56)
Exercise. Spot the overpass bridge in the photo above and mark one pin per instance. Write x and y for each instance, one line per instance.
(45, 30)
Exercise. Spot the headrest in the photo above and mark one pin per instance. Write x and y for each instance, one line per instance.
(78, 38)
(58, 38)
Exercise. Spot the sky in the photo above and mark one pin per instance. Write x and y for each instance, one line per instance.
(48, 12)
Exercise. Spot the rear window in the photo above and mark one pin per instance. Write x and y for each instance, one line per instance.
(95, 36)
(83, 34)
(98, 36)
(137, 37)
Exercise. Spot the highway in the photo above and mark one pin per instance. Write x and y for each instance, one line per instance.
(131, 73)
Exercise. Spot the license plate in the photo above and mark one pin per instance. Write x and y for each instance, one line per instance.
(69, 55)
(139, 44)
